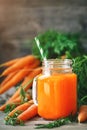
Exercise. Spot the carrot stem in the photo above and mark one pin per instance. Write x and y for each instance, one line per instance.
(17, 93)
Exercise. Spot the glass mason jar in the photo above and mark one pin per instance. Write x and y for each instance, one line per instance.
(55, 90)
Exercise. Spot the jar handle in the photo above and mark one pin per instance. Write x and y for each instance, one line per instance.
(34, 90)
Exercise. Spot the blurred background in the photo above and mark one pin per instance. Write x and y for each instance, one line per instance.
(22, 20)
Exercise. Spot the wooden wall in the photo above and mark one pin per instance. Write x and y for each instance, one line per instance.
(21, 20)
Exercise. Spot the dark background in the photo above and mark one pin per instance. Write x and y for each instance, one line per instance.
(22, 20)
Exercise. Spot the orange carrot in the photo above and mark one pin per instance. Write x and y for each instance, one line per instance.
(21, 107)
(82, 115)
(17, 101)
(28, 114)
(20, 64)
(2, 108)
(28, 80)
(7, 78)
(31, 76)
(10, 62)
(17, 93)
(18, 77)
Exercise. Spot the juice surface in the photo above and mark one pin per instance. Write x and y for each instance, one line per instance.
(57, 95)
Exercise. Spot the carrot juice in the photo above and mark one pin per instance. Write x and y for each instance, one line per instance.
(57, 92)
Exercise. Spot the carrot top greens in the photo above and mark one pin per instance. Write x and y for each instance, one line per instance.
(13, 119)
(58, 122)
(80, 68)
(56, 44)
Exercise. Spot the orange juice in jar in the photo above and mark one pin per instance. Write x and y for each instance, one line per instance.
(55, 91)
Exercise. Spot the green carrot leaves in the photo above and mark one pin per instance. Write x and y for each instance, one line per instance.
(13, 120)
(56, 123)
(59, 44)
(80, 68)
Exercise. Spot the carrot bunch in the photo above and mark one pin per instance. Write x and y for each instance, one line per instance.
(20, 71)
(21, 113)
(17, 71)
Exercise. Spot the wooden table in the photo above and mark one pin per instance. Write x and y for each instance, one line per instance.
(30, 125)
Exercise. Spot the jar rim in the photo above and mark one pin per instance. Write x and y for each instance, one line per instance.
(57, 61)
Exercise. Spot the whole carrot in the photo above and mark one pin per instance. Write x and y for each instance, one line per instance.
(17, 101)
(82, 115)
(17, 93)
(10, 62)
(18, 77)
(27, 83)
(3, 107)
(21, 107)
(28, 114)
(7, 78)
(31, 75)
(20, 64)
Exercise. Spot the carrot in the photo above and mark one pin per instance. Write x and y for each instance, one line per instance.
(7, 78)
(16, 101)
(18, 77)
(20, 64)
(82, 115)
(19, 99)
(10, 62)
(17, 93)
(2, 108)
(21, 107)
(28, 114)
(27, 83)
(31, 75)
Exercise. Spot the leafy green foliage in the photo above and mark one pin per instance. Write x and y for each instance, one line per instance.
(55, 44)
(9, 107)
(57, 123)
(23, 92)
(13, 119)
(23, 95)
(80, 68)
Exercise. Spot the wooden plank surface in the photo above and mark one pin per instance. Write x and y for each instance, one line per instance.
(30, 125)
